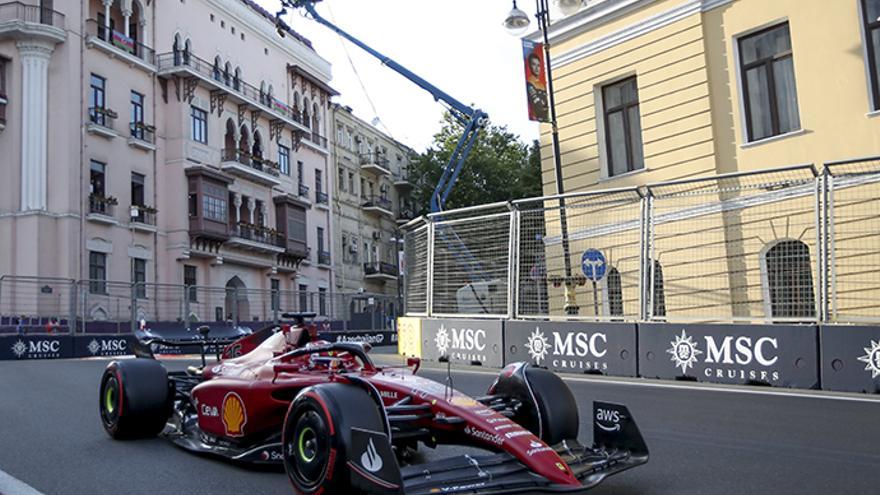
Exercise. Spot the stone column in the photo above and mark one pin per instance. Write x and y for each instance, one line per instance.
(35, 57)
(252, 205)
(126, 16)
(236, 201)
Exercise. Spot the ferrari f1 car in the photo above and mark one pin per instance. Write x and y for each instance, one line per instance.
(340, 424)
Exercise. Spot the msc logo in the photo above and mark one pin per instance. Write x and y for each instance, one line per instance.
(872, 359)
(108, 346)
(573, 344)
(462, 339)
(36, 347)
(741, 351)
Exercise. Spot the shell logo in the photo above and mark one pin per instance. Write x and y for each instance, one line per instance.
(234, 415)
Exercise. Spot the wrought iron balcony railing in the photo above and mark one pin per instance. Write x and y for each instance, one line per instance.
(143, 214)
(377, 268)
(102, 205)
(377, 202)
(321, 198)
(102, 116)
(324, 257)
(254, 162)
(257, 233)
(18, 11)
(143, 132)
(121, 42)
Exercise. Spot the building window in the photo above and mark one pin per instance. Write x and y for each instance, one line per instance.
(139, 277)
(199, 125)
(296, 225)
(284, 159)
(137, 115)
(190, 281)
(790, 280)
(98, 202)
(137, 189)
(3, 98)
(769, 91)
(871, 19)
(615, 292)
(214, 203)
(97, 273)
(300, 174)
(340, 179)
(351, 183)
(623, 128)
(303, 297)
(346, 256)
(319, 181)
(322, 301)
(320, 235)
(658, 292)
(98, 100)
(276, 294)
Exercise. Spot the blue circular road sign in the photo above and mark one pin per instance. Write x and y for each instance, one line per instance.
(593, 264)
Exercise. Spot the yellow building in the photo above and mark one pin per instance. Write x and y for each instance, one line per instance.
(667, 91)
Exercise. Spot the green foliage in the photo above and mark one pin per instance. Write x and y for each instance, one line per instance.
(499, 168)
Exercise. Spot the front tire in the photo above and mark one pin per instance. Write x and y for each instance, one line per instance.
(135, 398)
(316, 438)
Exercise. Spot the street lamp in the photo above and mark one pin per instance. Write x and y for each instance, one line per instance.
(516, 23)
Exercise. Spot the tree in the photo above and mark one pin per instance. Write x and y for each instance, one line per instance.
(499, 168)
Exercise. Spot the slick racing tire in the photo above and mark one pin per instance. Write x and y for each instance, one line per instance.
(316, 439)
(135, 398)
(548, 408)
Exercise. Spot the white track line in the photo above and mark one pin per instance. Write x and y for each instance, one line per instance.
(732, 389)
(13, 486)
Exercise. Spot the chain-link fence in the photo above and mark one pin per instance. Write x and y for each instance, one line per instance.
(31, 304)
(791, 244)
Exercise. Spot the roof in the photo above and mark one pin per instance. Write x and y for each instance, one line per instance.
(278, 22)
(299, 71)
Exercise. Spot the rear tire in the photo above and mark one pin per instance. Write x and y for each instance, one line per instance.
(548, 408)
(316, 438)
(135, 398)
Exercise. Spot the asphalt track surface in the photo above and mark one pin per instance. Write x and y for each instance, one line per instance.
(702, 441)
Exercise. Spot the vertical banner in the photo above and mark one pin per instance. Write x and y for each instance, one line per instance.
(536, 81)
(409, 331)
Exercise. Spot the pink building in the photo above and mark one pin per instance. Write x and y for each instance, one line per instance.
(166, 142)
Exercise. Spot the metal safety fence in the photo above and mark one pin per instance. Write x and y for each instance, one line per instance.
(797, 244)
(40, 305)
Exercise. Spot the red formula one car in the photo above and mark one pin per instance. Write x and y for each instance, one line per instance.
(340, 424)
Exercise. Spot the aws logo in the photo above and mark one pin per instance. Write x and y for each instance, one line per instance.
(234, 415)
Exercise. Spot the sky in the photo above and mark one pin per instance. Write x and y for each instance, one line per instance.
(458, 46)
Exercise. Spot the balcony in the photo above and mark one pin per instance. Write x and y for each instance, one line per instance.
(378, 205)
(404, 215)
(324, 258)
(3, 103)
(143, 218)
(375, 270)
(316, 141)
(102, 122)
(255, 169)
(102, 209)
(257, 238)
(185, 64)
(18, 21)
(402, 182)
(142, 136)
(375, 164)
(322, 199)
(116, 44)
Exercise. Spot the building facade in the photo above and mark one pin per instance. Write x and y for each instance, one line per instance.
(661, 93)
(371, 199)
(165, 143)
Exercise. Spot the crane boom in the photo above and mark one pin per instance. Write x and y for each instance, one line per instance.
(472, 119)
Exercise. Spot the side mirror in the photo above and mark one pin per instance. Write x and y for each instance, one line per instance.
(414, 363)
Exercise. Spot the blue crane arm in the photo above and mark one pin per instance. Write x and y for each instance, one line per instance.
(473, 119)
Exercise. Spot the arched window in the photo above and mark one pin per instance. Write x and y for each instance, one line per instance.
(257, 150)
(615, 292)
(244, 142)
(789, 280)
(229, 141)
(270, 93)
(306, 118)
(263, 92)
(658, 291)
(236, 81)
(315, 122)
(187, 51)
(218, 76)
(227, 74)
(177, 49)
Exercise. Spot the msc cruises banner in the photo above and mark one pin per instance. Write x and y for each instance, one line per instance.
(777, 355)
(569, 347)
(850, 358)
(21, 347)
(463, 341)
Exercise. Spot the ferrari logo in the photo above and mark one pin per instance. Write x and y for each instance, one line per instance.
(234, 415)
